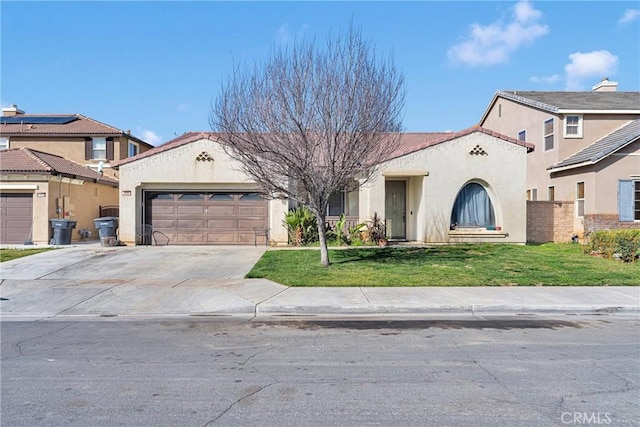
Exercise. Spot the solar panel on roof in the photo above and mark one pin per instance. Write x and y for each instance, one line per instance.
(38, 120)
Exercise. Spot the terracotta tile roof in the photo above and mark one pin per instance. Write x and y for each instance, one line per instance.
(81, 126)
(183, 139)
(603, 147)
(26, 160)
(412, 142)
(408, 142)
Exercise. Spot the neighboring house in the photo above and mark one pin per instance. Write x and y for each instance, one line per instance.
(436, 188)
(73, 136)
(36, 187)
(587, 156)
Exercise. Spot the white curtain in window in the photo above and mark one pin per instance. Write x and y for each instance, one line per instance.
(473, 207)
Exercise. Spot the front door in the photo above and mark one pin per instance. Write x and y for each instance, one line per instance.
(395, 209)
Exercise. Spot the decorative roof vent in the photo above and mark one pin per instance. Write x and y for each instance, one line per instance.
(204, 157)
(478, 151)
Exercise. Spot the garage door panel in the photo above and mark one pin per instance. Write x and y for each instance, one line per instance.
(191, 238)
(221, 223)
(163, 210)
(191, 223)
(226, 238)
(16, 213)
(221, 210)
(164, 224)
(250, 223)
(201, 218)
(191, 210)
(252, 210)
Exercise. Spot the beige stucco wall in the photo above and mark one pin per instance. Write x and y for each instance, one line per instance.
(178, 169)
(515, 117)
(450, 166)
(79, 200)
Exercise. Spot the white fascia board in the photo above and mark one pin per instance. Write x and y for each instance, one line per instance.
(569, 111)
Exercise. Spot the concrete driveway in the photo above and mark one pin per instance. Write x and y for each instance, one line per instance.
(134, 281)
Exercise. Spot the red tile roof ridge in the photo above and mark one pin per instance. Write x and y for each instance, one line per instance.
(34, 155)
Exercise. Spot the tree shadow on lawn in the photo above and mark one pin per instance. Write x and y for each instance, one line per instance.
(400, 255)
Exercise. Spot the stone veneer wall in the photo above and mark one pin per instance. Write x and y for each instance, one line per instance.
(595, 222)
(549, 221)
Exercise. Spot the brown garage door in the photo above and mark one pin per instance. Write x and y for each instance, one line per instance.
(16, 213)
(199, 218)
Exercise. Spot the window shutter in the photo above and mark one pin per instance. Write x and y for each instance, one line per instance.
(88, 149)
(625, 200)
(110, 149)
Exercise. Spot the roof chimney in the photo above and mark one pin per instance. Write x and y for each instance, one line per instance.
(11, 110)
(605, 86)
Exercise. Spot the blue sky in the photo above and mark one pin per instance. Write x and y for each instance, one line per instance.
(154, 67)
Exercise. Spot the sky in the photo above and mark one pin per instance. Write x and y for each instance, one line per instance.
(154, 68)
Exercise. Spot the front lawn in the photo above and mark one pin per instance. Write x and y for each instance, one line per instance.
(459, 265)
(9, 254)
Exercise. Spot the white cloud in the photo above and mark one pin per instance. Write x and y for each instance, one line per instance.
(492, 44)
(285, 35)
(629, 16)
(150, 136)
(590, 65)
(545, 79)
(185, 106)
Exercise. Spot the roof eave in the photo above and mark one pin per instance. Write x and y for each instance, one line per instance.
(578, 111)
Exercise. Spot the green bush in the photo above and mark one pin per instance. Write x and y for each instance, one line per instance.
(624, 244)
(302, 226)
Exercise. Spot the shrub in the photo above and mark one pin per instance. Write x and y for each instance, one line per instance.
(302, 226)
(624, 244)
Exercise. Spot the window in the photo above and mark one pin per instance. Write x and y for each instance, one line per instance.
(343, 202)
(250, 197)
(629, 200)
(548, 134)
(98, 148)
(573, 126)
(133, 149)
(4, 143)
(580, 199)
(499, 110)
(473, 207)
(191, 196)
(532, 194)
(522, 135)
(551, 193)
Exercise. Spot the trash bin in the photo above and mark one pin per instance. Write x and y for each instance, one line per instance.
(107, 229)
(62, 230)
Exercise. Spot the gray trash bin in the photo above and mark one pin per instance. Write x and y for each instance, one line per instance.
(62, 230)
(106, 226)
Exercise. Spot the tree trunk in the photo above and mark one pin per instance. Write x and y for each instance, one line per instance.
(322, 235)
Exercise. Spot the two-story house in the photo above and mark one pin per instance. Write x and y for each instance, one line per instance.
(587, 156)
(73, 136)
(55, 166)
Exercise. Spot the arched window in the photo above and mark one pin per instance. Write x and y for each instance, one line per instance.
(473, 207)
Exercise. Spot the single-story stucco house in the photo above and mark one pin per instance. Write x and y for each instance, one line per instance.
(446, 187)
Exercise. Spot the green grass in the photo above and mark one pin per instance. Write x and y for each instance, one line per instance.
(9, 254)
(456, 265)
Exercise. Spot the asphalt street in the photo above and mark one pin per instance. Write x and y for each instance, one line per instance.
(440, 371)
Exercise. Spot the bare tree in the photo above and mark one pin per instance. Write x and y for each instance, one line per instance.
(311, 121)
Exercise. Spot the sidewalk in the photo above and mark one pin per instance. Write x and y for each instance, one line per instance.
(93, 282)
